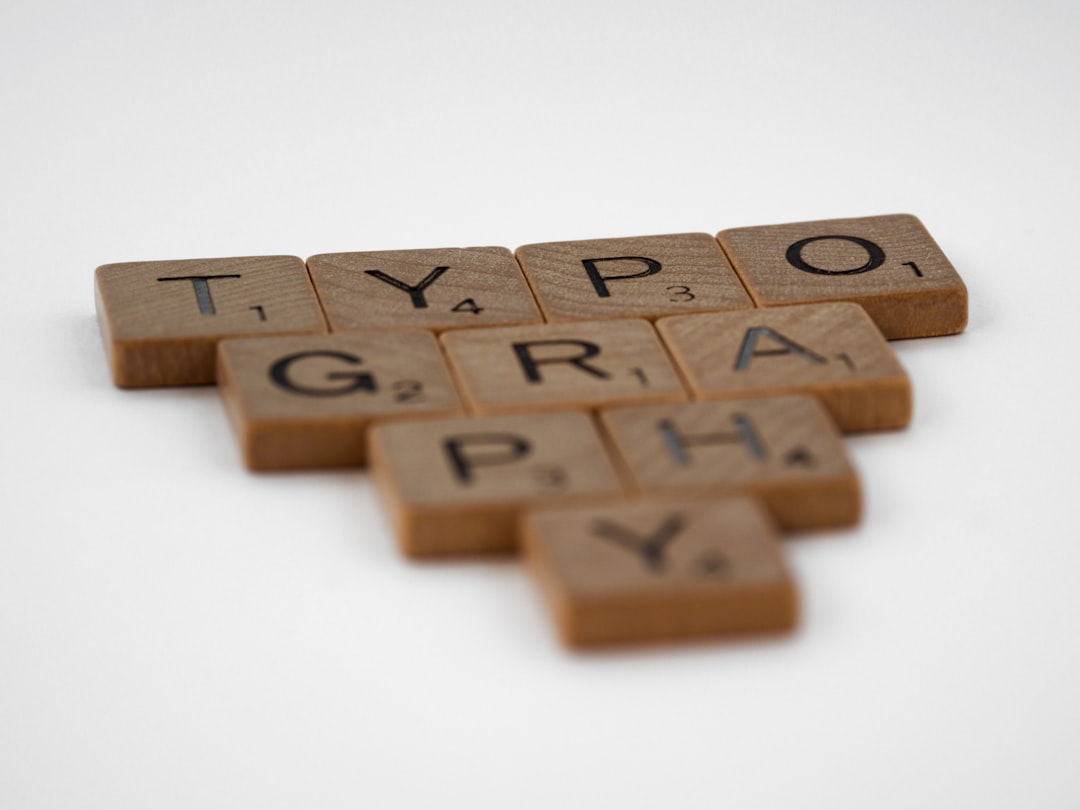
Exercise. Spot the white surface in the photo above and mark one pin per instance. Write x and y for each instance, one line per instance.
(177, 633)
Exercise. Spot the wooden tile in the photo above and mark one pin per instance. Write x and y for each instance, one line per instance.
(455, 486)
(161, 321)
(785, 450)
(833, 351)
(447, 288)
(562, 365)
(638, 276)
(652, 571)
(889, 264)
(301, 402)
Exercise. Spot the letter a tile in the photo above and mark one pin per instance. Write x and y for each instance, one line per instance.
(637, 276)
(833, 351)
(439, 289)
(302, 402)
(564, 365)
(651, 571)
(889, 264)
(162, 321)
(457, 486)
(785, 450)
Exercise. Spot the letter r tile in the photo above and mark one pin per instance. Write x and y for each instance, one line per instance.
(888, 264)
(564, 365)
(439, 289)
(162, 321)
(638, 276)
(305, 401)
(458, 486)
(658, 570)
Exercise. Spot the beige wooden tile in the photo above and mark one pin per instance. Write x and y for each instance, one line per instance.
(666, 570)
(785, 450)
(637, 276)
(889, 264)
(832, 350)
(161, 321)
(581, 364)
(448, 288)
(303, 402)
(457, 486)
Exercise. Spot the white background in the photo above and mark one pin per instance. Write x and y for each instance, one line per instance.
(178, 633)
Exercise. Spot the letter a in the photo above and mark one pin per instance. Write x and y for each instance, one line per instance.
(749, 349)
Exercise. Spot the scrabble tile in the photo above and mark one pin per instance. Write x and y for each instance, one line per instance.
(161, 321)
(832, 350)
(638, 276)
(562, 365)
(301, 402)
(785, 450)
(637, 572)
(447, 288)
(889, 264)
(455, 486)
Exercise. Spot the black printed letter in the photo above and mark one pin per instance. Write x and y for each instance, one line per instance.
(279, 373)
(876, 256)
(749, 347)
(530, 365)
(677, 443)
(416, 294)
(651, 547)
(202, 290)
(462, 462)
(599, 282)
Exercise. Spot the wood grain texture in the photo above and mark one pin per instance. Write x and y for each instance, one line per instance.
(888, 264)
(570, 365)
(437, 289)
(833, 351)
(161, 321)
(637, 276)
(457, 486)
(785, 450)
(305, 402)
(684, 568)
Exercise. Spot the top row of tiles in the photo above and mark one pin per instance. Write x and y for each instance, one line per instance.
(881, 262)
(888, 264)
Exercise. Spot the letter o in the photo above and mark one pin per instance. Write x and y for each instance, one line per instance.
(875, 253)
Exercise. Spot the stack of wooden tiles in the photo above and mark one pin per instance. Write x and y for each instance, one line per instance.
(642, 416)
